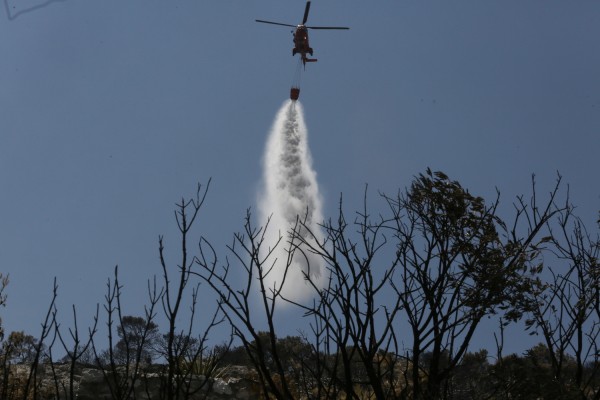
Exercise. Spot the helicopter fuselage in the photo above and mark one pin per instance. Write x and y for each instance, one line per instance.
(301, 45)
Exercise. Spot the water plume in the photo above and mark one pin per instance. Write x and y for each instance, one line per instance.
(291, 192)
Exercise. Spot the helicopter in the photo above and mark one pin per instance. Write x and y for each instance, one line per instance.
(301, 45)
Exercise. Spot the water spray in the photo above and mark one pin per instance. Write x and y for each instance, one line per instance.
(290, 193)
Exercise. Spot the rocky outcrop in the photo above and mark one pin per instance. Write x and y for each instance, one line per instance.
(90, 383)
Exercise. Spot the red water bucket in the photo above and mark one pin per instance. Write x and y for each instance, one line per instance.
(294, 93)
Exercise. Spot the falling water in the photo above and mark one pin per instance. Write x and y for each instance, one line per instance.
(291, 192)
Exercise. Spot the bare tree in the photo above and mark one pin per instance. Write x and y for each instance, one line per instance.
(354, 317)
(32, 381)
(236, 303)
(74, 354)
(566, 307)
(452, 262)
(22, 348)
(179, 353)
(3, 284)
(122, 373)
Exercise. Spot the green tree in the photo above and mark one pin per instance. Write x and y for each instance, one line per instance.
(137, 335)
(20, 348)
(531, 376)
(459, 264)
(471, 378)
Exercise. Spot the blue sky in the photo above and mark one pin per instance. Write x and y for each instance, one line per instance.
(110, 111)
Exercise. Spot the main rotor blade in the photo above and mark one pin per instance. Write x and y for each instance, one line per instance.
(306, 12)
(275, 23)
(327, 27)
